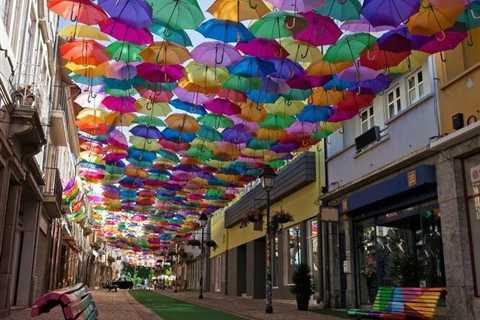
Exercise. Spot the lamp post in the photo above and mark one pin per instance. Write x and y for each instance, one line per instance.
(267, 178)
(203, 222)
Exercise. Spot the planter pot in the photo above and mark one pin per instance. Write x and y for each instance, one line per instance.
(302, 303)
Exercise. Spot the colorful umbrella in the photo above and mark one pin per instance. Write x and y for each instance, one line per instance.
(251, 67)
(165, 52)
(167, 33)
(222, 106)
(238, 10)
(120, 104)
(160, 73)
(178, 14)
(431, 19)
(147, 132)
(83, 11)
(182, 122)
(341, 10)
(301, 52)
(215, 54)
(320, 30)
(136, 13)
(124, 32)
(237, 134)
(215, 121)
(263, 48)
(272, 26)
(314, 113)
(226, 31)
(124, 51)
(378, 59)
(188, 107)
(297, 5)
(151, 108)
(87, 52)
(389, 12)
(349, 47)
(82, 31)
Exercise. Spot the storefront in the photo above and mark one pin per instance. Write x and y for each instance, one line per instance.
(395, 234)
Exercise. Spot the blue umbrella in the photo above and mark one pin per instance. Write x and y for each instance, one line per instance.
(177, 136)
(267, 93)
(389, 12)
(251, 67)
(135, 13)
(148, 132)
(141, 155)
(297, 94)
(188, 107)
(94, 81)
(313, 113)
(337, 83)
(377, 85)
(226, 31)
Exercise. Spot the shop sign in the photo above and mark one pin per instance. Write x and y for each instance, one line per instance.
(412, 178)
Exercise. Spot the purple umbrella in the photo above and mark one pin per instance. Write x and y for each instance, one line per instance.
(160, 73)
(286, 69)
(397, 40)
(363, 25)
(222, 106)
(263, 48)
(237, 134)
(304, 128)
(191, 96)
(442, 41)
(136, 13)
(297, 5)
(118, 139)
(358, 74)
(284, 147)
(305, 82)
(147, 132)
(320, 30)
(120, 70)
(339, 115)
(377, 85)
(389, 12)
(124, 32)
(215, 54)
(250, 126)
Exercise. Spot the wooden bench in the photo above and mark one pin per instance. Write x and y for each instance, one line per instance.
(76, 302)
(402, 303)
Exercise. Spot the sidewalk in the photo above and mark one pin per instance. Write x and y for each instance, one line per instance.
(252, 309)
(111, 306)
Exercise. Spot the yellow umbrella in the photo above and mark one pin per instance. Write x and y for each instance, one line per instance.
(431, 19)
(121, 119)
(193, 87)
(144, 143)
(165, 52)
(90, 113)
(154, 109)
(87, 70)
(76, 30)
(285, 107)
(330, 126)
(202, 143)
(252, 111)
(204, 75)
(218, 164)
(136, 172)
(231, 178)
(301, 52)
(91, 157)
(415, 60)
(182, 122)
(324, 97)
(238, 10)
(324, 68)
(270, 134)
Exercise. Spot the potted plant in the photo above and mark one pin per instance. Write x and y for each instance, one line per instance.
(280, 217)
(303, 288)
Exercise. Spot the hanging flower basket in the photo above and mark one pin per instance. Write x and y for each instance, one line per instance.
(211, 244)
(280, 217)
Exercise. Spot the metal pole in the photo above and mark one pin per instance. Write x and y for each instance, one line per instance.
(268, 262)
(200, 296)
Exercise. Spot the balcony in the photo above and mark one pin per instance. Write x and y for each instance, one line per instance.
(52, 192)
(59, 121)
(297, 174)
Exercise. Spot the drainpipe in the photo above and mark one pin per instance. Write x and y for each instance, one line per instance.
(436, 97)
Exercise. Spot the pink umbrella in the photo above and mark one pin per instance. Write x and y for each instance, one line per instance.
(263, 48)
(155, 95)
(89, 100)
(191, 97)
(222, 106)
(363, 25)
(251, 126)
(320, 30)
(124, 32)
(121, 70)
(358, 74)
(215, 54)
(443, 41)
(120, 104)
(160, 73)
(297, 5)
(305, 128)
(118, 139)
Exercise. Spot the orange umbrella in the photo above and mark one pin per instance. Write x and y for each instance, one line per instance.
(324, 68)
(238, 10)
(193, 87)
(182, 122)
(432, 18)
(226, 151)
(270, 134)
(83, 11)
(252, 111)
(165, 52)
(324, 97)
(84, 52)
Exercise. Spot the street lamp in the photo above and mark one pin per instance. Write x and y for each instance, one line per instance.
(268, 178)
(203, 219)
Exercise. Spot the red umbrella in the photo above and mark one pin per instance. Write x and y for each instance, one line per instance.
(263, 48)
(354, 101)
(222, 106)
(232, 95)
(88, 52)
(155, 95)
(160, 73)
(320, 30)
(84, 11)
(379, 59)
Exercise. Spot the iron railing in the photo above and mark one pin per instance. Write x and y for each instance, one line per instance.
(53, 184)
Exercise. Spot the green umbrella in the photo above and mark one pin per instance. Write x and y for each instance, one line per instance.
(297, 94)
(275, 121)
(209, 134)
(470, 16)
(201, 153)
(215, 121)
(170, 34)
(243, 84)
(120, 92)
(350, 47)
(124, 51)
(178, 14)
(259, 144)
(168, 155)
(276, 164)
(149, 121)
(272, 26)
(341, 10)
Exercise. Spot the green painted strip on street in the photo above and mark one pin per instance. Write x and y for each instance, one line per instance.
(172, 309)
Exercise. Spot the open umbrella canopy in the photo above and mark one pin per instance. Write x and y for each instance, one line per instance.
(171, 127)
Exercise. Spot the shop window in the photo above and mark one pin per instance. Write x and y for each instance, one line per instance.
(294, 252)
(472, 177)
(415, 86)
(399, 249)
(275, 263)
(312, 249)
(367, 119)
(394, 102)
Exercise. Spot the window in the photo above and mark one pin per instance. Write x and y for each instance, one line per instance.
(394, 102)
(415, 87)
(312, 241)
(294, 251)
(367, 119)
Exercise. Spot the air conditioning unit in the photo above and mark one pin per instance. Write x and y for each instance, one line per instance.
(368, 137)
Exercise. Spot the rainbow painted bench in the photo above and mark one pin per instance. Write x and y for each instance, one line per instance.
(76, 303)
(402, 303)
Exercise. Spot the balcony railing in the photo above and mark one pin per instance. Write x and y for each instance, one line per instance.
(52, 190)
